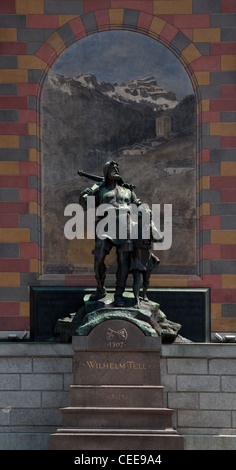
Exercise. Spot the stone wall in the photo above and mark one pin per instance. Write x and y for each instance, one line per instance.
(34, 384)
(199, 382)
(33, 34)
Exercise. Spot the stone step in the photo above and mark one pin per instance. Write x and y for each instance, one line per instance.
(119, 396)
(113, 417)
(123, 441)
(116, 431)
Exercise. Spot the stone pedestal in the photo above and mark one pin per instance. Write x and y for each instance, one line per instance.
(116, 400)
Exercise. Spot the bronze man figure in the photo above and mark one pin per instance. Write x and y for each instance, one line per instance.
(112, 190)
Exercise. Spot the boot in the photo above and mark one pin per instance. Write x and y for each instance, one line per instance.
(118, 297)
(100, 292)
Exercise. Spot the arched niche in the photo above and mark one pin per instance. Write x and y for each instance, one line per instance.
(63, 256)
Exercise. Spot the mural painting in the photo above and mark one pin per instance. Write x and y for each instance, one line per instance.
(121, 96)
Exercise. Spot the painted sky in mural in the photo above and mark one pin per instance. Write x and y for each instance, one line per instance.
(121, 56)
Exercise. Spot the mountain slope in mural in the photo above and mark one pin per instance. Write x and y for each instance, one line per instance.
(88, 117)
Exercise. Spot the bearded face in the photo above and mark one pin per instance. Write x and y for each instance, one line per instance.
(113, 172)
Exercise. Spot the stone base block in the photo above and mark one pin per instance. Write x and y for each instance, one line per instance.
(124, 440)
(116, 400)
(113, 395)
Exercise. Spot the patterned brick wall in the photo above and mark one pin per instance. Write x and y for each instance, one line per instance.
(33, 34)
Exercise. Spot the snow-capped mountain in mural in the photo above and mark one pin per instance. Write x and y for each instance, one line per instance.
(140, 90)
(144, 91)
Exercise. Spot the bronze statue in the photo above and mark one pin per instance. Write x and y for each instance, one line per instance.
(113, 191)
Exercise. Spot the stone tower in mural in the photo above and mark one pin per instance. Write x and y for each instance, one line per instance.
(163, 126)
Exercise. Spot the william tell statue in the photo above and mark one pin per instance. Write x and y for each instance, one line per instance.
(124, 222)
(133, 253)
